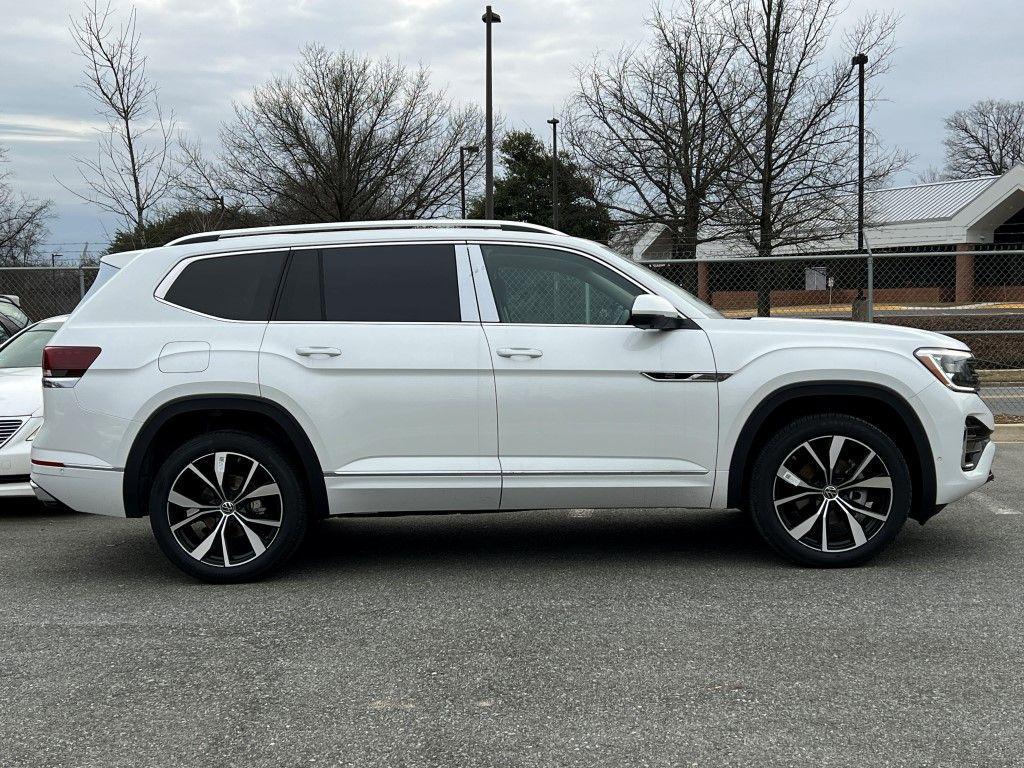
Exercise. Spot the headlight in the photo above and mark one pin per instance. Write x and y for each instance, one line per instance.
(953, 367)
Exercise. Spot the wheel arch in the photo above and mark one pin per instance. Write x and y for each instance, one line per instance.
(187, 415)
(874, 402)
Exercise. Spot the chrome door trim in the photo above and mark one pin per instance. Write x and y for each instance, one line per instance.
(684, 377)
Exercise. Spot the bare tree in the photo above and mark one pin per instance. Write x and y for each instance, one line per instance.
(22, 221)
(346, 138)
(797, 122)
(930, 175)
(133, 170)
(649, 127)
(986, 139)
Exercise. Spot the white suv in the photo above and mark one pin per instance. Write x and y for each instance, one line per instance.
(234, 385)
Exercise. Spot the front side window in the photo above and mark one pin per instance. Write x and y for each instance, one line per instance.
(236, 287)
(549, 287)
(391, 283)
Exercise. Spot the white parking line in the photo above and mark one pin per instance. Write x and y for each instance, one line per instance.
(994, 506)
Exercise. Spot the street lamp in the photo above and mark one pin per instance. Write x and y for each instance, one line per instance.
(859, 61)
(553, 122)
(463, 151)
(489, 18)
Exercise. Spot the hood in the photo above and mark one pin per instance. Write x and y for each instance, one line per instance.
(21, 391)
(844, 331)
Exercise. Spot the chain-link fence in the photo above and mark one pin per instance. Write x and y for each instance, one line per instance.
(46, 291)
(976, 296)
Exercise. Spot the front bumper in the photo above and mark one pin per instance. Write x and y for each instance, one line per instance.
(945, 414)
(15, 462)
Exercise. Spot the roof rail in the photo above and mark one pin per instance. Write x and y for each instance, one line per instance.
(347, 226)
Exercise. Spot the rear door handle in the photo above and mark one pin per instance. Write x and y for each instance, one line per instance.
(519, 352)
(315, 351)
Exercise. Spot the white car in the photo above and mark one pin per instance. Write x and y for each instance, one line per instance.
(21, 403)
(233, 385)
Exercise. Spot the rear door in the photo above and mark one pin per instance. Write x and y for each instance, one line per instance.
(380, 350)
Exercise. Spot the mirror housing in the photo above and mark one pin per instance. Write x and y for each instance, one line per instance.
(654, 313)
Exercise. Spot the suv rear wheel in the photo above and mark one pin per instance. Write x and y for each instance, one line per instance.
(228, 506)
(830, 490)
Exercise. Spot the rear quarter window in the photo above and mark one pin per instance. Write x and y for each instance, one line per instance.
(235, 287)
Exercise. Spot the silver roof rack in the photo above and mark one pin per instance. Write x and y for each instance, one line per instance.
(348, 226)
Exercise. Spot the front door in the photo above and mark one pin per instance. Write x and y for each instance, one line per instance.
(591, 410)
(379, 350)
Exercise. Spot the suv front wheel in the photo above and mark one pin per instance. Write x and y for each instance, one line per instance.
(830, 490)
(227, 507)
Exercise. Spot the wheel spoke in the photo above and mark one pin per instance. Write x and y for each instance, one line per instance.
(258, 521)
(814, 455)
(860, 510)
(207, 480)
(871, 482)
(270, 489)
(792, 479)
(855, 528)
(824, 528)
(802, 530)
(220, 462)
(224, 543)
(834, 449)
(254, 541)
(794, 497)
(204, 546)
(184, 501)
(862, 466)
(248, 479)
(192, 515)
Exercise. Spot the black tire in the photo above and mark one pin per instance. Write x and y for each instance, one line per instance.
(831, 539)
(277, 515)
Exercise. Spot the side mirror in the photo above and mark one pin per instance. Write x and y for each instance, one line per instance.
(654, 313)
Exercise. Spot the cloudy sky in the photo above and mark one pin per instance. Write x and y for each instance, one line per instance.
(204, 54)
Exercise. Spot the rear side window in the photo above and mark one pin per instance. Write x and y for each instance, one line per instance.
(237, 287)
(391, 283)
(301, 295)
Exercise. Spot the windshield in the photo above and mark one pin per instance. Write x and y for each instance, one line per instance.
(666, 285)
(26, 349)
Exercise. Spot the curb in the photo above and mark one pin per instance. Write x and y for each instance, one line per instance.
(1008, 433)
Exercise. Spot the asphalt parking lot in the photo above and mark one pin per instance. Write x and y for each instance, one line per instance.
(566, 638)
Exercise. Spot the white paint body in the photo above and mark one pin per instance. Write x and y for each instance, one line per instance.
(430, 417)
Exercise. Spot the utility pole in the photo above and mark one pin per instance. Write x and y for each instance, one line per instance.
(489, 18)
(463, 151)
(859, 61)
(553, 122)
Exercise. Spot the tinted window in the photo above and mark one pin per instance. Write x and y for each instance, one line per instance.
(301, 298)
(536, 285)
(240, 287)
(26, 349)
(392, 283)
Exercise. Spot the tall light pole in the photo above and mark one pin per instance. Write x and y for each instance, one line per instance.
(859, 61)
(463, 151)
(553, 122)
(489, 18)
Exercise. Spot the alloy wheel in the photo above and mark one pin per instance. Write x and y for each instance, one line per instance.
(225, 509)
(833, 493)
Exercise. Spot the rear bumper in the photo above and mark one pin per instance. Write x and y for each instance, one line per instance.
(95, 491)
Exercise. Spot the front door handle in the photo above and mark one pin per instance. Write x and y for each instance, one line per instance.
(519, 352)
(316, 351)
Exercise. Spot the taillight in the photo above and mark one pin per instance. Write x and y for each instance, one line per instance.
(64, 366)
